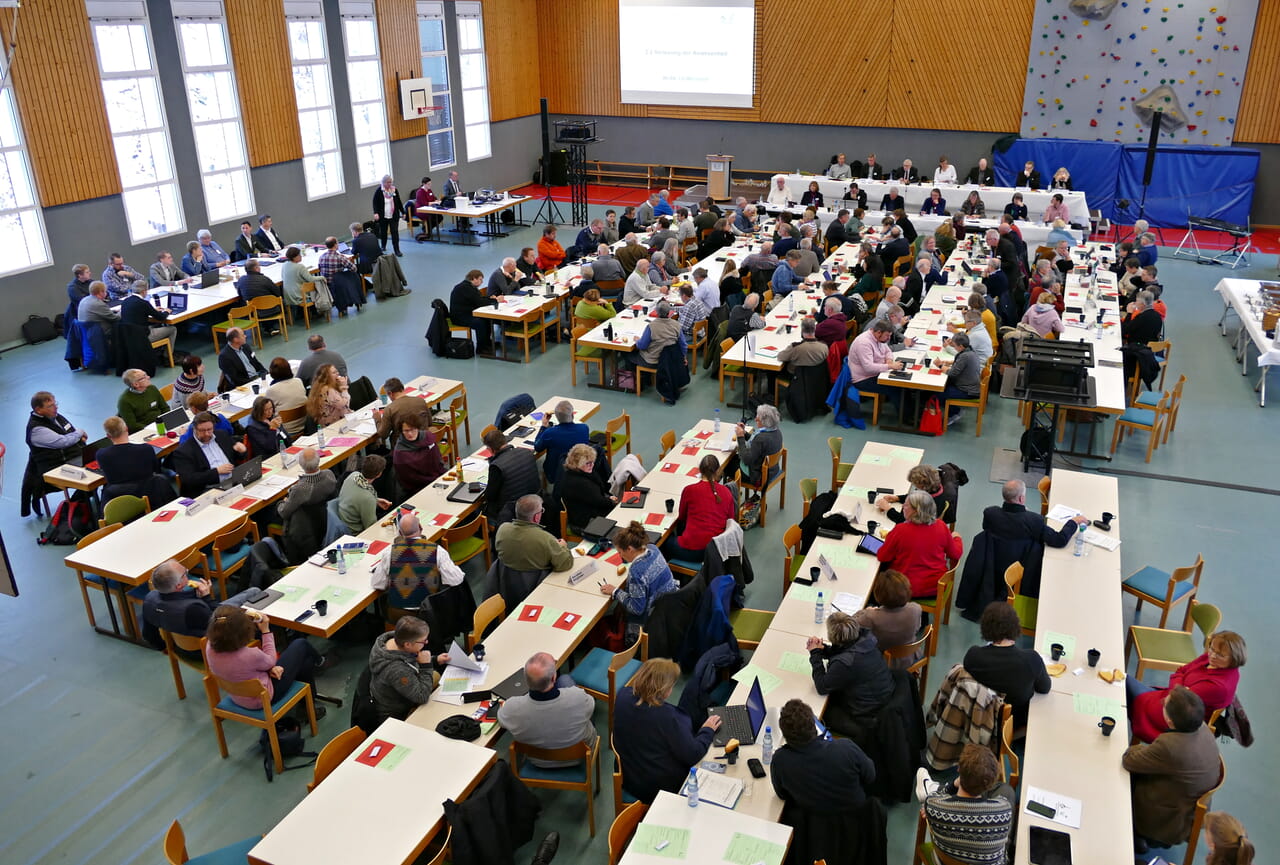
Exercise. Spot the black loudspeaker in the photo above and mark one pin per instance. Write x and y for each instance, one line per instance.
(546, 139)
(558, 168)
(1151, 148)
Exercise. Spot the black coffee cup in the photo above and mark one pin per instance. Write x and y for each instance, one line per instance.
(871, 527)
(1094, 655)
(332, 556)
(478, 652)
(1108, 724)
(732, 757)
(671, 505)
(1107, 517)
(256, 388)
(226, 396)
(871, 497)
(814, 573)
(322, 607)
(1056, 651)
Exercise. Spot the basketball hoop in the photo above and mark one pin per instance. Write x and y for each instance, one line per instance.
(430, 112)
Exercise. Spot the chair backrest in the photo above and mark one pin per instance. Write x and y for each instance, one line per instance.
(167, 391)
(1045, 483)
(835, 444)
(124, 509)
(1013, 579)
(668, 442)
(906, 650)
(484, 432)
(242, 312)
(97, 535)
(267, 304)
(610, 284)
(251, 688)
(1010, 774)
(184, 642)
(700, 331)
(576, 751)
(492, 608)
(725, 345)
(621, 659)
(808, 491)
(792, 538)
(623, 828)
(443, 855)
(612, 425)
(333, 753)
(1202, 808)
(175, 844)
(1208, 619)
(289, 415)
(1190, 572)
(469, 530)
(234, 535)
(984, 384)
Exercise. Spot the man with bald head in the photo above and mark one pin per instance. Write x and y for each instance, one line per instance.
(418, 568)
(554, 714)
(606, 267)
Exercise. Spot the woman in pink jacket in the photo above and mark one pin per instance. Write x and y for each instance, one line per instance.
(230, 656)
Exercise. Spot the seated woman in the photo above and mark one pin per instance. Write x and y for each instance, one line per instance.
(935, 204)
(583, 493)
(1043, 314)
(922, 547)
(945, 172)
(929, 479)
(594, 307)
(199, 402)
(1213, 677)
(416, 456)
(658, 269)
(973, 205)
(1226, 840)
(812, 196)
(229, 656)
(1061, 179)
(718, 239)
(1002, 665)
(945, 234)
(1059, 232)
(264, 429)
(655, 739)
(896, 621)
(704, 510)
(288, 392)
(189, 381)
(329, 401)
(671, 257)
(731, 290)
(852, 674)
(970, 818)
(648, 578)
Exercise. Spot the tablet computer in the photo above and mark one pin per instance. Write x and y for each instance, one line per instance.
(869, 544)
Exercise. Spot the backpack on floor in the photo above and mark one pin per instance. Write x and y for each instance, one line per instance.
(459, 349)
(71, 521)
(38, 328)
(289, 733)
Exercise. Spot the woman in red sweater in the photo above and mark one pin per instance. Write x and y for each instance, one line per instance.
(704, 509)
(922, 547)
(1213, 677)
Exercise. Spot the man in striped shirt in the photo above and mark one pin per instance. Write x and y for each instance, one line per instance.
(971, 818)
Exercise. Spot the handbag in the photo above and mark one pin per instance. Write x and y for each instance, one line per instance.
(931, 420)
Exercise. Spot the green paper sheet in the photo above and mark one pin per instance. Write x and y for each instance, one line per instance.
(874, 460)
(394, 759)
(336, 595)
(904, 454)
(844, 557)
(454, 686)
(768, 681)
(1088, 704)
(856, 493)
(748, 850)
(292, 594)
(1045, 639)
(648, 837)
(549, 616)
(794, 662)
(807, 594)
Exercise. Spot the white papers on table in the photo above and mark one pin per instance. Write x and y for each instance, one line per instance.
(243, 399)
(846, 602)
(1062, 513)
(268, 486)
(456, 681)
(721, 444)
(475, 464)
(1100, 539)
(716, 788)
(460, 659)
(1066, 810)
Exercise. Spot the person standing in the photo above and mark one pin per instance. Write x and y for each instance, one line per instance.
(387, 208)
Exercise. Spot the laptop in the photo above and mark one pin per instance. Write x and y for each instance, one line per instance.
(88, 458)
(514, 685)
(177, 302)
(245, 473)
(741, 722)
(174, 419)
(209, 278)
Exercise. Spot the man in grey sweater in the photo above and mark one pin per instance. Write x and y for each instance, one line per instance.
(555, 713)
(319, 355)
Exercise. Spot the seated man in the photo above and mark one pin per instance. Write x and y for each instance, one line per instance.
(524, 545)
(907, 173)
(554, 442)
(834, 326)
(971, 818)
(606, 267)
(588, 239)
(400, 405)
(246, 247)
(417, 568)
(743, 318)
(554, 714)
(319, 354)
(780, 194)
(692, 312)
(639, 287)
(302, 512)
(254, 283)
(94, 309)
(839, 170)
(179, 604)
(266, 238)
(467, 297)
(136, 309)
(131, 468)
(1002, 665)
(237, 360)
(213, 253)
(1141, 324)
(891, 249)
(850, 304)
(892, 200)
(661, 331)
(809, 351)
(506, 279)
(630, 253)
(141, 403)
(785, 278)
(118, 277)
(870, 355)
(513, 473)
(204, 460)
(1171, 773)
(402, 678)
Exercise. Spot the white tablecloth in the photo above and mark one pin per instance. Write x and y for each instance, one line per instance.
(1240, 294)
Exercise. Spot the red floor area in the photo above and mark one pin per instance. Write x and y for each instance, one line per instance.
(1266, 240)
(620, 196)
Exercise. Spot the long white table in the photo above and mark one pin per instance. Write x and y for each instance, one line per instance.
(706, 834)
(1246, 298)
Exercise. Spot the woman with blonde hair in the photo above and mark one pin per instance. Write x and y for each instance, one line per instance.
(329, 401)
(851, 672)
(583, 493)
(653, 738)
(1225, 837)
(1062, 179)
(730, 284)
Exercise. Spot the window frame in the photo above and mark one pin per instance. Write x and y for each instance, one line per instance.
(19, 148)
(468, 11)
(364, 12)
(434, 11)
(309, 12)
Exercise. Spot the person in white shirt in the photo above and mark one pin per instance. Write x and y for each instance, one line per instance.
(945, 172)
(684, 225)
(839, 170)
(780, 194)
(706, 289)
(979, 338)
(638, 286)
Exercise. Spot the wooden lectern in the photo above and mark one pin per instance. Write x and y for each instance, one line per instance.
(718, 167)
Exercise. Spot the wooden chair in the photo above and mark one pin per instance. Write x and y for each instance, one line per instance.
(749, 626)
(289, 415)
(180, 648)
(93, 581)
(641, 370)
(1165, 590)
(525, 334)
(601, 673)
(1202, 808)
(580, 321)
(224, 709)
(900, 267)
(231, 552)
(624, 828)
(587, 355)
(620, 798)
(1144, 419)
(920, 667)
(610, 289)
(732, 370)
(337, 749)
(668, 441)
(1028, 609)
(1044, 486)
(309, 291)
(1151, 400)
(167, 345)
(241, 317)
(491, 609)
(175, 849)
(767, 483)
(124, 510)
(1009, 772)
(467, 541)
(459, 414)
(808, 492)
(1160, 649)
(577, 777)
(980, 402)
(699, 341)
(940, 609)
(614, 440)
(839, 471)
(270, 309)
(1043, 252)
(864, 396)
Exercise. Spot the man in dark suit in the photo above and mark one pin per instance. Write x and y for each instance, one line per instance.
(1028, 177)
(855, 196)
(907, 173)
(236, 359)
(892, 249)
(136, 309)
(872, 171)
(246, 244)
(835, 231)
(179, 604)
(387, 208)
(255, 284)
(464, 300)
(364, 243)
(204, 460)
(981, 174)
(452, 189)
(266, 239)
(892, 201)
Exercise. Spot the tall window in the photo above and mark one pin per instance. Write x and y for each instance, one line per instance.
(135, 112)
(364, 76)
(215, 108)
(435, 65)
(475, 80)
(22, 234)
(321, 159)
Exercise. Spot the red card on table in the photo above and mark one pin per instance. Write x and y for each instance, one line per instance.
(935, 348)
(630, 497)
(931, 332)
(530, 612)
(484, 453)
(704, 435)
(653, 520)
(159, 441)
(614, 558)
(693, 472)
(377, 547)
(771, 327)
(374, 754)
(244, 504)
(164, 516)
(293, 450)
(441, 519)
(770, 348)
(566, 621)
(916, 367)
(689, 452)
(671, 468)
(935, 372)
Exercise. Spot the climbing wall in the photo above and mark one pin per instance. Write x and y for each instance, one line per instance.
(1098, 68)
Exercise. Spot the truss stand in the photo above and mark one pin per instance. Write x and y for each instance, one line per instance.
(576, 135)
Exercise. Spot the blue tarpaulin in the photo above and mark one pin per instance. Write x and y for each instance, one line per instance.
(1094, 166)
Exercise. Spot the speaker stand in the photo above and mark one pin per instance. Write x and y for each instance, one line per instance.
(549, 211)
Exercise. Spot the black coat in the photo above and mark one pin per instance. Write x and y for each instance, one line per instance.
(857, 681)
(895, 740)
(493, 821)
(808, 392)
(464, 300)
(1010, 533)
(584, 496)
(673, 372)
(437, 334)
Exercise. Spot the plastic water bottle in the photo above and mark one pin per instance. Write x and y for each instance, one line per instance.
(717, 427)
(320, 439)
(342, 561)
(691, 789)
(283, 439)
(819, 611)
(766, 750)
(1079, 550)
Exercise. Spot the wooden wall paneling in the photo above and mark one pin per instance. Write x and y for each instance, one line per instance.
(1258, 119)
(401, 58)
(259, 40)
(56, 66)
(515, 77)
(940, 79)
(824, 62)
(580, 37)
